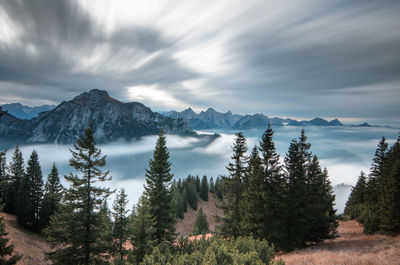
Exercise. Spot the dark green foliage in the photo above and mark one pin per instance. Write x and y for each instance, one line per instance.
(357, 197)
(142, 230)
(121, 229)
(77, 229)
(197, 181)
(159, 193)
(219, 188)
(17, 171)
(254, 198)
(7, 255)
(4, 177)
(273, 190)
(30, 195)
(204, 189)
(243, 250)
(229, 224)
(389, 194)
(53, 194)
(180, 208)
(211, 184)
(201, 223)
(192, 197)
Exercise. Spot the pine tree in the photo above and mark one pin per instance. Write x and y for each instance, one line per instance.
(212, 186)
(121, 229)
(158, 191)
(204, 189)
(201, 224)
(17, 171)
(53, 194)
(321, 216)
(30, 195)
(229, 224)
(192, 197)
(7, 255)
(197, 181)
(218, 188)
(273, 190)
(4, 177)
(142, 230)
(254, 198)
(357, 197)
(389, 196)
(76, 229)
(296, 165)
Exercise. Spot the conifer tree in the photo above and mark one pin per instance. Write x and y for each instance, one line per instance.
(357, 197)
(389, 196)
(254, 198)
(198, 185)
(53, 194)
(4, 177)
(296, 165)
(77, 228)
(142, 230)
(7, 255)
(30, 195)
(204, 189)
(273, 189)
(229, 224)
(192, 197)
(17, 171)
(158, 191)
(218, 188)
(121, 228)
(212, 187)
(321, 216)
(201, 224)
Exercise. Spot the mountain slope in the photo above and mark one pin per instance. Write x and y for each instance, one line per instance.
(25, 112)
(112, 120)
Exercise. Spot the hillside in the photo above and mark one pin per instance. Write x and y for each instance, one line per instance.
(185, 227)
(352, 247)
(32, 246)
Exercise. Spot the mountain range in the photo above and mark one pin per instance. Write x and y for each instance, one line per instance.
(25, 112)
(112, 120)
(211, 119)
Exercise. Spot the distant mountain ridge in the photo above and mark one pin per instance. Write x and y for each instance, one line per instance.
(112, 120)
(25, 112)
(211, 119)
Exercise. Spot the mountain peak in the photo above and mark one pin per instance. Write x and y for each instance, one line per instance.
(94, 95)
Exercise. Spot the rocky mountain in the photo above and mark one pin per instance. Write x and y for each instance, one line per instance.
(25, 112)
(211, 119)
(112, 120)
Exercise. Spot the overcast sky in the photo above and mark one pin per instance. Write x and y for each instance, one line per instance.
(281, 58)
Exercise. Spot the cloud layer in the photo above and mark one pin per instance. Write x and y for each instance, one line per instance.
(302, 58)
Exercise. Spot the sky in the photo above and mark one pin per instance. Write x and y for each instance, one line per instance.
(332, 59)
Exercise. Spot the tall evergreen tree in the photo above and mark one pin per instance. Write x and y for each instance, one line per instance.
(204, 189)
(121, 229)
(76, 230)
(158, 191)
(4, 177)
(17, 171)
(30, 195)
(229, 224)
(273, 189)
(142, 230)
(212, 186)
(296, 164)
(357, 197)
(201, 223)
(53, 194)
(389, 196)
(321, 216)
(254, 198)
(198, 185)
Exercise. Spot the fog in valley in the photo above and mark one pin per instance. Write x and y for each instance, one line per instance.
(344, 151)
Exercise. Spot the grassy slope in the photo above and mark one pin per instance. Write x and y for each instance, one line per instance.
(352, 247)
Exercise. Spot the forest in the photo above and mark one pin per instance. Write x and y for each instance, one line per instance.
(268, 204)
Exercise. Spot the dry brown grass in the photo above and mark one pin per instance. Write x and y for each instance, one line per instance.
(185, 227)
(352, 247)
(30, 245)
